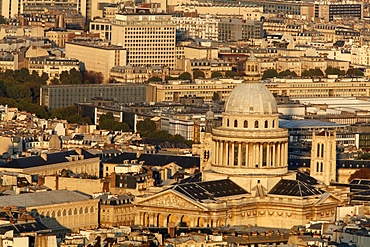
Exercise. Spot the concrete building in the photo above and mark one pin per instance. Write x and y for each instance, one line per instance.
(103, 27)
(334, 10)
(235, 29)
(98, 57)
(58, 96)
(150, 39)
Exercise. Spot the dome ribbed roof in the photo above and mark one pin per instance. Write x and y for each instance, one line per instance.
(251, 98)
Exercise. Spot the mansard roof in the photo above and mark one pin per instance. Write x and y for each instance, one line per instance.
(210, 190)
(157, 159)
(298, 188)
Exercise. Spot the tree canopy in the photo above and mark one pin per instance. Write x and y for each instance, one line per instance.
(334, 71)
(216, 74)
(354, 72)
(270, 73)
(230, 74)
(198, 74)
(185, 76)
(107, 122)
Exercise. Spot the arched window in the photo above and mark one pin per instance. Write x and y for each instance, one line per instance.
(256, 124)
(322, 150)
(86, 210)
(64, 212)
(75, 211)
(249, 67)
(273, 123)
(266, 124)
(318, 149)
(70, 212)
(317, 167)
(53, 214)
(245, 124)
(235, 123)
(227, 122)
(81, 211)
(321, 167)
(59, 214)
(91, 209)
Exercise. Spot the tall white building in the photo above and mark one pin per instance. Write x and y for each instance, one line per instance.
(150, 39)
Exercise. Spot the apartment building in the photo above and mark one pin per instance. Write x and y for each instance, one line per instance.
(150, 39)
(131, 74)
(97, 56)
(235, 29)
(203, 27)
(53, 67)
(58, 96)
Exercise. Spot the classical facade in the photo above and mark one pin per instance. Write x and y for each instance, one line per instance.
(245, 176)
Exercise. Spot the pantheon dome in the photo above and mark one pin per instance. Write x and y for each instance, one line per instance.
(249, 141)
(251, 98)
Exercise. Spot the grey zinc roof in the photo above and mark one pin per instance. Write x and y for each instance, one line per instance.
(43, 198)
(294, 124)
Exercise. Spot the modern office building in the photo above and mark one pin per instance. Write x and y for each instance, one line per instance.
(58, 96)
(150, 39)
(328, 10)
(235, 29)
(97, 56)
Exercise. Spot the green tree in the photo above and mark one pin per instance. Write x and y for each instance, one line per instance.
(216, 74)
(287, 73)
(185, 76)
(216, 96)
(230, 74)
(18, 91)
(354, 72)
(65, 78)
(334, 71)
(121, 126)
(3, 20)
(270, 73)
(198, 74)
(145, 127)
(154, 79)
(21, 75)
(76, 76)
(312, 73)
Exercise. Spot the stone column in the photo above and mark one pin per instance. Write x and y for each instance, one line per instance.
(216, 152)
(254, 156)
(239, 154)
(221, 158)
(247, 154)
(261, 154)
(278, 154)
(286, 154)
(268, 156)
(227, 156)
(274, 155)
(231, 162)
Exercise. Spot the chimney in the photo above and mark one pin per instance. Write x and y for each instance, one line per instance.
(40, 180)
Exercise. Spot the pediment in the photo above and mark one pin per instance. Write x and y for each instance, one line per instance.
(171, 199)
(328, 198)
